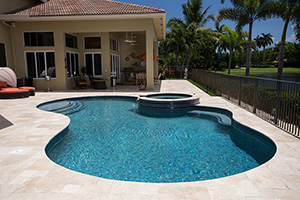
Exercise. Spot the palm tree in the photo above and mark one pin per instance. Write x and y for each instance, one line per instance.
(289, 11)
(233, 41)
(266, 40)
(194, 20)
(219, 45)
(177, 37)
(258, 41)
(246, 12)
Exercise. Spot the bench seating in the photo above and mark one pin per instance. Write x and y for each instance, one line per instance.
(31, 90)
(11, 93)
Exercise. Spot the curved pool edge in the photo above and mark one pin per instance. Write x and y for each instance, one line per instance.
(61, 134)
(148, 102)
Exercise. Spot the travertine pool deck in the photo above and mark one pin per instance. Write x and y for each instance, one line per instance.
(27, 173)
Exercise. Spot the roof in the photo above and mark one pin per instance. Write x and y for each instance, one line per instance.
(84, 7)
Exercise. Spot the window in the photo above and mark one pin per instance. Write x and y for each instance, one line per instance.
(2, 56)
(92, 42)
(71, 41)
(114, 45)
(38, 39)
(40, 64)
(93, 64)
(72, 64)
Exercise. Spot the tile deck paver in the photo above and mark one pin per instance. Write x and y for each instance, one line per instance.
(32, 175)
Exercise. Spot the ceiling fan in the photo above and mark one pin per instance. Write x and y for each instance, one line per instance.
(130, 40)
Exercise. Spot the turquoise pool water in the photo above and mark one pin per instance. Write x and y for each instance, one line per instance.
(109, 139)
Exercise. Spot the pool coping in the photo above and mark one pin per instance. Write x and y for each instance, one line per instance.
(33, 175)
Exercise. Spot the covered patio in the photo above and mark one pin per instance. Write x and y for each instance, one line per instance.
(104, 40)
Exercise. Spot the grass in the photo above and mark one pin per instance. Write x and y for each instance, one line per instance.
(257, 71)
(202, 88)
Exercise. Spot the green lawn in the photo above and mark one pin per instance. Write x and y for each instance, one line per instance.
(256, 71)
(202, 88)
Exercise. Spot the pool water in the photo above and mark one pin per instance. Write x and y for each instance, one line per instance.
(109, 139)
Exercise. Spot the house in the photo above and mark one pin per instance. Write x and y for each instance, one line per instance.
(58, 38)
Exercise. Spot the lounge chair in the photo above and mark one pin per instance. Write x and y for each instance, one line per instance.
(12, 92)
(79, 83)
(8, 76)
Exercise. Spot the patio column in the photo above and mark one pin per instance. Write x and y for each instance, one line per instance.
(156, 62)
(149, 59)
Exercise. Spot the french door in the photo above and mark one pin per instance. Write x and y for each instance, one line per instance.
(115, 65)
(93, 64)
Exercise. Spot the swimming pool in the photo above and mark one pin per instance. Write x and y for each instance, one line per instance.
(108, 138)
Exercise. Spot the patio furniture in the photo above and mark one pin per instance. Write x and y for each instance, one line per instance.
(132, 78)
(8, 76)
(97, 83)
(140, 78)
(11, 93)
(156, 79)
(79, 83)
(100, 84)
(30, 89)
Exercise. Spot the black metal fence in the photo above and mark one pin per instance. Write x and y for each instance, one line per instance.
(275, 101)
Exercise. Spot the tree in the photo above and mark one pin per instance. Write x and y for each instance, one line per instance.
(258, 41)
(266, 41)
(233, 41)
(219, 46)
(289, 11)
(194, 20)
(246, 12)
(177, 36)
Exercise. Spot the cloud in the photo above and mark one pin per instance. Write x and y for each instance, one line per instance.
(291, 38)
(273, 38)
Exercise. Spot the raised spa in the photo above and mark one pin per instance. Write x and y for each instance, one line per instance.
(107, 137)
(168, 101)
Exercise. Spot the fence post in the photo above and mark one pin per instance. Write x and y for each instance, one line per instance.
(240, 91)
(278, 90)
(255, 95)
(228, 88)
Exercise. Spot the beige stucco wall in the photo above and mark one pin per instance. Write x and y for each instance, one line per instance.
(6, 39)
(80, 28)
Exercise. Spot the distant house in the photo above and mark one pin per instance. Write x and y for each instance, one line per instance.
(59, 37)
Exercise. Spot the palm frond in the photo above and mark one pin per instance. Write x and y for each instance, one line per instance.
(296, 21)
(232, 14)
(176, 23)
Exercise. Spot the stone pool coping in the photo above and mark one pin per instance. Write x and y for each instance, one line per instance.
(32, 175)
(168, 104)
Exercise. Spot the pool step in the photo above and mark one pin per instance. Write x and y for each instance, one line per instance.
(64, 107)
(222, 119)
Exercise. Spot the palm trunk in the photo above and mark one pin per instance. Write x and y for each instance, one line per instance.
(172, 60)
(183, 62)
(219, 55)
(177, 54)
(249, 49)
(281, 50)
(264, 57)
(229, 64)
(189, 54)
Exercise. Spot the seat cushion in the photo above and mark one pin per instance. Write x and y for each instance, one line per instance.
(3, 84)
(27, 88)
(12, 90)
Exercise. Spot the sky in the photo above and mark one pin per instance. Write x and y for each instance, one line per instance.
(173, 9)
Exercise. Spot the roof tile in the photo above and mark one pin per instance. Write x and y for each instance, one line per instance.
(84, 7)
